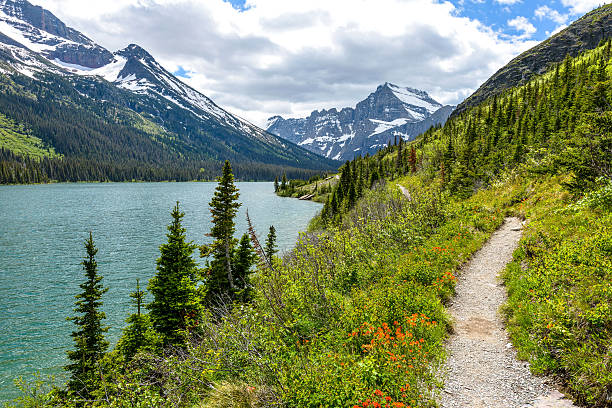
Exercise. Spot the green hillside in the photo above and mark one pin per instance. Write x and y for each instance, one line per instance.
(19, 140)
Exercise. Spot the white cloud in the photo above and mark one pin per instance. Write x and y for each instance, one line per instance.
(288, 57)
(508, 2)
(582, 6)
(522, 24)
(551, 14)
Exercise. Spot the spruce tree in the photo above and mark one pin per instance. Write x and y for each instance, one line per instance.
(270, 248)
(276, 184)
(90, 344)
(244, 259)
(400, 157)
(139, 334)
(176, 304)
(283, 181)
(223, 207)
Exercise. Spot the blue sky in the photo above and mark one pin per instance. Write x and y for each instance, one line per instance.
(544, 16)
(260, 58)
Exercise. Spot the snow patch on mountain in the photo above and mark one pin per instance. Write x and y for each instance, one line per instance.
(414, 97)
(383, 126)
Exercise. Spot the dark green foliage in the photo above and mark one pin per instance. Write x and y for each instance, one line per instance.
(176, 303)
(244, 259)
(139, 334)
(276, 184)
(223, 207)
(590, 153)
(270, 248)
(284, 182)
(90, 344)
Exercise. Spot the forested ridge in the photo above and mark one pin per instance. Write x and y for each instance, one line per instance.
(101, 133)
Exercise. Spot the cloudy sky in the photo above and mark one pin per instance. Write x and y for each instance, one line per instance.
(260, 58)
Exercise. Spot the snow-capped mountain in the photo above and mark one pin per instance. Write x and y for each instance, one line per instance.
(35, 43)
(388, 113)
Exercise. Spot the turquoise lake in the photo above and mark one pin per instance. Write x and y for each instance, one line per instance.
(42, 231)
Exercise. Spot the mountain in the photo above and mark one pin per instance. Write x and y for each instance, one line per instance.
(389, 112)
(583, 34)
(123, 111)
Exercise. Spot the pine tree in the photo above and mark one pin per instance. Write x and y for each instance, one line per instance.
(176, 304)
(270, 248)
(223, 207)
(283, 182)
(89, 336)
(139, 334)
(244, 259)
(276, 184)
(400, 157)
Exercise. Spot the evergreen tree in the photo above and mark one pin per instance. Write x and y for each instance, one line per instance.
(276, 184)
(244, 259)
(176, 304)
(374, 177)
(223, 207)
(89, 336)
(400, 157)
(139, 334)
(270, 248)
(283, 182)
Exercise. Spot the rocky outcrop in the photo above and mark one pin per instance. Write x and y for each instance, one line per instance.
(388, 113)
(583, 34)
(66, 44)
(83, 55)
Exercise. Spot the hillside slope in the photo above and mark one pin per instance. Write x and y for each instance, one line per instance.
(583, 34)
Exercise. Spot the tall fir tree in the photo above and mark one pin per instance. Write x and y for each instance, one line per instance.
(399, 163)
(283, 181)
(90, 344)
(223, 207)
(176, 305)
(276, 184)
(244, 259)
(270, 248)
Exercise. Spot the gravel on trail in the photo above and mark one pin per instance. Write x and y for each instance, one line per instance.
(482, 369)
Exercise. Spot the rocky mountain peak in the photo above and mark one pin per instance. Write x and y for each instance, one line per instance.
(391, 111)
(39, 30)
(135, 51)
(42, 19)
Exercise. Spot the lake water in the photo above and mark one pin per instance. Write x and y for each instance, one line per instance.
(42, 231)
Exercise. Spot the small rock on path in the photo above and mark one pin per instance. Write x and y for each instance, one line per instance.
(482, 369)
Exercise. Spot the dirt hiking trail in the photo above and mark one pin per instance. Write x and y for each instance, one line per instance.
(482, 370)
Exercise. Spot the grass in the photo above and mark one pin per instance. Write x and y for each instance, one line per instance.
(559, 312)
(18, 139)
